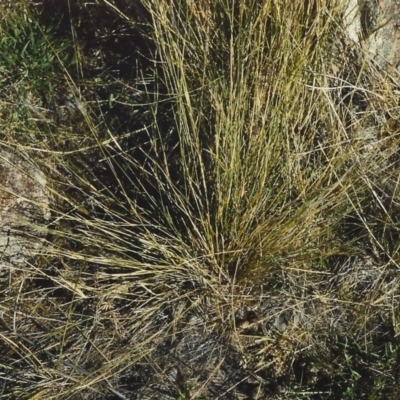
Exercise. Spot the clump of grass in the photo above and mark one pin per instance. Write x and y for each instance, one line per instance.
(226, 244)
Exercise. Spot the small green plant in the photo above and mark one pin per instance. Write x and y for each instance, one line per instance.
(32, 63)
(29, 53)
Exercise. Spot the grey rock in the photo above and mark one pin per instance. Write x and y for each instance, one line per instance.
(375, 25)
(24, 208)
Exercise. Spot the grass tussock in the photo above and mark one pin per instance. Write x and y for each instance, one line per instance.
(223, 190)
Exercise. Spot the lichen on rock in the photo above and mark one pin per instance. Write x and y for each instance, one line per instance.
(24, 208)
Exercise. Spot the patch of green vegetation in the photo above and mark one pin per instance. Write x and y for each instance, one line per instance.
(32, 63)
(26, 52)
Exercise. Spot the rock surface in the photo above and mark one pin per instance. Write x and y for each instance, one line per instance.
(375, 25)
(24, 208)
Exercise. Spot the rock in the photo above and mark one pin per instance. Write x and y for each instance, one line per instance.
(24, 208)
(352, 21)
(375, 25)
